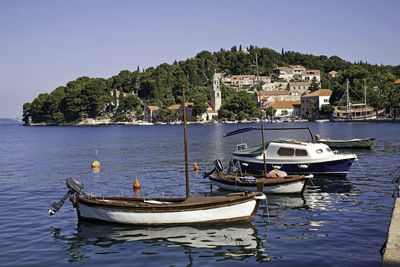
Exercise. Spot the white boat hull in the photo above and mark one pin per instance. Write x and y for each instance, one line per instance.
(233, 213)
(290, 188)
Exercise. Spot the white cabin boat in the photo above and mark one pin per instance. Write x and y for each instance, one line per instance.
(294, 157)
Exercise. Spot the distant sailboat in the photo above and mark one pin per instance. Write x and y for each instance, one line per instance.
(356, 112)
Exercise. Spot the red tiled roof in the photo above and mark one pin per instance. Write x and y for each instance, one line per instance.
(310, 72)
(174, 106)
(284, 104)
(152, 108)
(299, 83)
(234, 77)
(397, 82)
(282, 68)
(272, 93)
(320, 92)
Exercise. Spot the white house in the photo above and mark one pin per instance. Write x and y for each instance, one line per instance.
(297, 71)
(311, 101)
(285, 73)
(309, 75)
(285, 108)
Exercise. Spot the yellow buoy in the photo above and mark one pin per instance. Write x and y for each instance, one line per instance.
(196, 167)
(95, 164)
(136, 185)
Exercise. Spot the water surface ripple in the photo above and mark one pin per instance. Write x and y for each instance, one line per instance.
(338, 221)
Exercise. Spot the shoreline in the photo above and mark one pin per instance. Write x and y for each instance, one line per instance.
(140, 123)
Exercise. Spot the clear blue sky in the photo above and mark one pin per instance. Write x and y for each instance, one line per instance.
(47, 43)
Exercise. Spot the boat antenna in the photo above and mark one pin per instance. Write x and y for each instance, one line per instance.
(261, 121)
(186, 151)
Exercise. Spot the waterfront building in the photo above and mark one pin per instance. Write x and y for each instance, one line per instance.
(311, 103)
(285, 108)
(150, 112)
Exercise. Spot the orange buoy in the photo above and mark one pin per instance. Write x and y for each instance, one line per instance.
(136, 191)
(196, 167)
(136, 185)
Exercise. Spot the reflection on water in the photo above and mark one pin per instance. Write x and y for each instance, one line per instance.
(331, 212)
(236, 242)
(329, 184)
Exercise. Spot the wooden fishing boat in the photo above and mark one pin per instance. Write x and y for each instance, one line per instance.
(350, 143)
(235, 207)
(163, 211)
(291, 184)
(275, 182)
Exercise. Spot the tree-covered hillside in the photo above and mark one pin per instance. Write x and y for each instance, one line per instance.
(162, 85)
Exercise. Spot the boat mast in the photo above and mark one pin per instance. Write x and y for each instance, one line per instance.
(261, 121)
(186, 151)
(365, 97)
(348, 100)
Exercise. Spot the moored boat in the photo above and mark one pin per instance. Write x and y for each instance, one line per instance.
(350, 143)
(295, 157)
(168, 211)
(275, 182)
(293, 184)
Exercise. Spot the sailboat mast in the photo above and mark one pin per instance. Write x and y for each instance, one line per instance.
(348, 100)
(186, 151)
(262, 123)
(365, 93)
(365, 97)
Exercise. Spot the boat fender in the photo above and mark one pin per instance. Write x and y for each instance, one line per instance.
(303, 166)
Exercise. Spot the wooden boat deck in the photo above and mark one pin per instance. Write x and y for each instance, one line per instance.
(167, 204)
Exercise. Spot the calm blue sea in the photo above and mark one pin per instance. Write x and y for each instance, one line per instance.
(338, 221)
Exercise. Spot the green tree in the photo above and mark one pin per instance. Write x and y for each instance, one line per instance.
(26, 112)
(37, 109)
(241, 101)
(270, 111)
(130, 102)
(326, 110)
(315, 85)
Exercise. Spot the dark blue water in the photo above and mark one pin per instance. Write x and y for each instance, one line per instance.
(338, 221)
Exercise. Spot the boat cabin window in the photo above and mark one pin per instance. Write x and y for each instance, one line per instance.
(328, 149)
(284, 151)
(301, 152)
(319, 151)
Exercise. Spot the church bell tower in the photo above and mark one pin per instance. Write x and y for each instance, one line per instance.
(216, 94)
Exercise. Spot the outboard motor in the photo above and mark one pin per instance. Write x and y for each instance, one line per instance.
(74, 187)
(217, 168)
